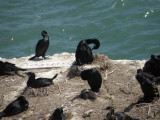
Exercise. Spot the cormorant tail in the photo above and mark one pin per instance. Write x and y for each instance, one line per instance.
(32, 58)
(23, 69)
(94, 41)
(55, 76)
(136, 119)
(1, 114)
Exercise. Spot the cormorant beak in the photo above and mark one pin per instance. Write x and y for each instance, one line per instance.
(27, 74)
(157, 58)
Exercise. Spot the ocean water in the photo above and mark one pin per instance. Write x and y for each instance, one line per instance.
(126, 29)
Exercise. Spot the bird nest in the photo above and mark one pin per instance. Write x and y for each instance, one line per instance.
(100, 62)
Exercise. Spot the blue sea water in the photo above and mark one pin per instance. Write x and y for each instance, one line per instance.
(127, 29)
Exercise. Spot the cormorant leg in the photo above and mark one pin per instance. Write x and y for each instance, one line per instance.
(44, 57)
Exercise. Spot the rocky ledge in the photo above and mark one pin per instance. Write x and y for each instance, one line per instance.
(119, 89)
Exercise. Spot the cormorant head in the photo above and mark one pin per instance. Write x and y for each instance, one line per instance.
(110, 109)
(21, 98)
(139, 71)
(155, 57)
(152, 56)
(84, 91)
(30, 74)
(87, 94)
(93, 41)
(143, 81)
(1, 62)
(57, 114)
(85, 74)
(58, 111)
(139, 76)
(23, 101)
(96, 44)
(44, 33)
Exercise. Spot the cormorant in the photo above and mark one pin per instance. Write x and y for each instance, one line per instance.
(58, 115)
(87, 94)
(152, 66)
(15, 107)
(111, 115)
(39, 82)
(7, 68)
(84, 53)
(148, 87)
(41, 46)
(149, 76)
(93, 77)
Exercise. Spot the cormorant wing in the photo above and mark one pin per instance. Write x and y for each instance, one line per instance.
(39, 45)
(43, 82)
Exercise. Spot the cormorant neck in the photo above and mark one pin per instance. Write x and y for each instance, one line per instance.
(32, 77)
(112, 111)
(46, 38)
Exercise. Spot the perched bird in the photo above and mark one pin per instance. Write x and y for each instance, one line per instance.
(7, 68)
(111, 115)
(84, 53)
(41, 46)
(15, 107)
(93, 77)
(148, 87)
(152, 66)
(57, 115)
(39, 82)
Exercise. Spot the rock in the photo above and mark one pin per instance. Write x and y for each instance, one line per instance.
(87, 114)
(119, 88)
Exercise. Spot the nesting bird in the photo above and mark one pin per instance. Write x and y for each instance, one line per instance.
(57, 115)
(93, 77)
(149, 76)
(7, 68)
(148, 87)
(87, 94)
(84, 53)
(39, 82)
(15, 107)
(152, 66)
(111, 115)
(42, 46)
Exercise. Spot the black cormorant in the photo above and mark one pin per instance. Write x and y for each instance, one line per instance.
(58, 115)
(84, 53)
(148, 87)
(39, 82)
(152, 66)
(15, 107)
(111, 115)
(7, 68)
(93, 77)
(41, 46)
